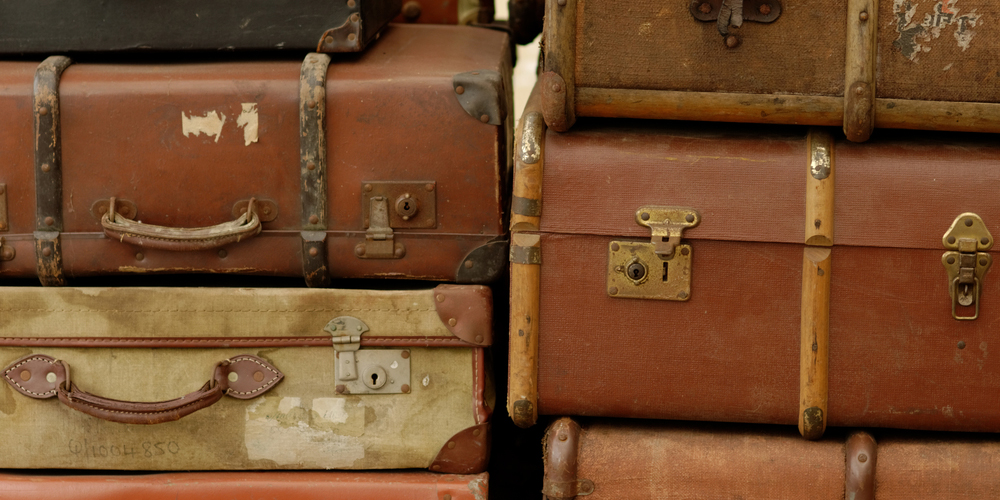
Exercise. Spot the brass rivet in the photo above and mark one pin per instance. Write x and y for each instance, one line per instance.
(682, 295)
(562, 3)
(359, 250)
(817, 223)
(556, 88)
(313, 252)
(815, 347)
(352, 37)
(452, 321)
(862, 458)
(968, 222)
(614, 247)
(436, 467)
(429, 187)
(311, 165)
(983, 262)
(311, 104)
(328, 40)
(613, 290)
(233, 377)
(359, 328)
(25, 375)
(685, 251)
(400, 251)
(984, 240)
(355, 17)
(951, 239)
(350, 3)
(46, 167)
(440, 298)
(484, 118)
(405, 388)
(563, 436)
(451, 445)
(764, 9)
(43, 111)
(819, 271)
(139, 256)
(340, 388)
(951, 260)
(479, 339)
(863, 16)
(49, 221)
(223, 254)
(258, 376)
(961, 344)
(468, 264)
(51, 378)
(405, 354)
(689, 217)
(47, 251)
(476, 432)
(313, 219)
(644, 216)
(266, 210)
(859, 90)
(368, 187)
(705, 8)
(732, 41)
(460, 90)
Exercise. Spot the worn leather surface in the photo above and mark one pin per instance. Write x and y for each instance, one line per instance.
(467, 312)
(246, 486)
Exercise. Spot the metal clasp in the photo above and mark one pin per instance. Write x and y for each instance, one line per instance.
(368, 371)
(660, 269)
(966, 261)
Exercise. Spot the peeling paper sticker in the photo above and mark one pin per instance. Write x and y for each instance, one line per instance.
(248, 121)
(915, 33)
(210, 124)
(331, 409)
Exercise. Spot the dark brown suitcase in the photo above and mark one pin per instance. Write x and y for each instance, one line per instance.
(246, 486)
(391, 163)
(859, 64)
(60, 26)
(642, 459)
(697, 272)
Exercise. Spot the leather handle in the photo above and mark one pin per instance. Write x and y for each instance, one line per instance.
(121, 228)
(40, 376)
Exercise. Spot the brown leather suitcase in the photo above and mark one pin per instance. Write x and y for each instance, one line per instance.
(389, 163)
(642, 459)
(189, 378)
(447, 12)
(246, 486)
(856, 64)
(702, 272)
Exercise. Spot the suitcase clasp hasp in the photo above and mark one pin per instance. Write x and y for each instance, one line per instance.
(392, 205)
(966, 261)
(728, 13)
(382, 371)
(660, 269)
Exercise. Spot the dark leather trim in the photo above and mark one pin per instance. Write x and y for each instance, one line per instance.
(862, 456)
(219, 342)
(48, 170)
(482, 411)
(313, 167)
(467, 452)
(467, 312)
(560, 455)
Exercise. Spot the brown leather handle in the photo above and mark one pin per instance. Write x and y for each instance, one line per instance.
(121, 228)
(40, 376)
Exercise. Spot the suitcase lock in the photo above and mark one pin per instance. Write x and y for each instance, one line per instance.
(634, 268)
(966, 261)
(382, 371)
(389, 205)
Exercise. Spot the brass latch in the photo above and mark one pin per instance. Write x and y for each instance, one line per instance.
(388, 205)
(967, 261)
(660, 269)
(368, 371)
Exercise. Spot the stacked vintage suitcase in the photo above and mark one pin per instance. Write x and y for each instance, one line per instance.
(760, 275)
(359, 150)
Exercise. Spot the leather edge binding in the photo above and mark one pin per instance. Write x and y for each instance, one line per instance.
(224, 342)
(561, 448)
(861, 456)
(48, 170)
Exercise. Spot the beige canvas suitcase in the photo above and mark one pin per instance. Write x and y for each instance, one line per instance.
(296, 378)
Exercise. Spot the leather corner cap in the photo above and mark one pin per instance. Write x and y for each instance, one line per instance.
(561, 446)
(467, 312)
(253, 376)
(467, 452)
(30, 375)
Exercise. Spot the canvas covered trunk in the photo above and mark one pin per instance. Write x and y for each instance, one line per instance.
(247, 486)
(859, 64)
(607, 458)
(391, 163)
(108, 378)
(53, 26)
(762, 275)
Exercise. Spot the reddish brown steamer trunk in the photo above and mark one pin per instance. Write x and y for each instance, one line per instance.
(643, 459)
(385, 164)
(755, 317)
(248, 486)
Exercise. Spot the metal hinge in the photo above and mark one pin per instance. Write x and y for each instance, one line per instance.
(660, 269)
(369, 371)
(967, 261)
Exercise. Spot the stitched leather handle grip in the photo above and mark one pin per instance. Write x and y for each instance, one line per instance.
(121, 228)
(40, 376)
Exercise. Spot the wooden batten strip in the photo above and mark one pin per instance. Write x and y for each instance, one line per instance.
(529, 162)
(816, 266)
(522, 381)
(559, 89)
(859, 72)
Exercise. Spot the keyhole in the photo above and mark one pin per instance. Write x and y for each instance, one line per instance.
(665, 271)
(635, 273)
(374, 379)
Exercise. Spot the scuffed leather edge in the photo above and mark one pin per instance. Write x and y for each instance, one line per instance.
(561, 447)
(224, 342)
(38, 365)
(467, 312)
(861, 458)
(467, 452)
(472, 487)
(554, 105)
(480, 382)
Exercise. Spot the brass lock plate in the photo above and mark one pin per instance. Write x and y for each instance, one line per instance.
(966, 261)
(635, 271)
(411, 205)
(380, 371)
